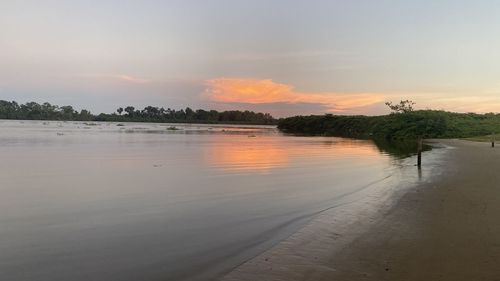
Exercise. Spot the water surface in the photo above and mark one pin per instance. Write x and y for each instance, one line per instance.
(108, 201)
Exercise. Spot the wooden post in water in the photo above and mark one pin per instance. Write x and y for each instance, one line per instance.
(492, 139)
(419, 152)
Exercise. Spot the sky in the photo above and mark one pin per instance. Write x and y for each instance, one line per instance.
(285, 57)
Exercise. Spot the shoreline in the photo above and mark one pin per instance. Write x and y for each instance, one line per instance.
(444, 228)
(198, 122)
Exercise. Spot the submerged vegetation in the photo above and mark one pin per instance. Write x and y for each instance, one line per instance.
(402, 124)
(399, 148)
(47, 111)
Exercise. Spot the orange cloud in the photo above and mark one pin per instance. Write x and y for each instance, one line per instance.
(232, 90)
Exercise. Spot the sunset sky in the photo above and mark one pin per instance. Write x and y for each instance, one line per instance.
(285, 57)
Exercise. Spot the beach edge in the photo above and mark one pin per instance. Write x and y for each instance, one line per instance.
(308, 253)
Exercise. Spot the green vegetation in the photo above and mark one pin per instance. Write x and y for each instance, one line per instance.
(47, 111)
(395, 126)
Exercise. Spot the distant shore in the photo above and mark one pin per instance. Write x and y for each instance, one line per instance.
(151, 114)
(446, 228)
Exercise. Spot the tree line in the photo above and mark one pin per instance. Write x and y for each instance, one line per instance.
(426, 123)
(47, 111)
(403, 123)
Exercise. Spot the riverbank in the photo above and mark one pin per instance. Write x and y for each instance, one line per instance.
(443, 229)
(395, 127)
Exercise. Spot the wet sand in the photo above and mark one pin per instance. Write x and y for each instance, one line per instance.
(444, 229)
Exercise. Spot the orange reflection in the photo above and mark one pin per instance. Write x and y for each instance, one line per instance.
(232, 90)
(247, 158)
(265, 153)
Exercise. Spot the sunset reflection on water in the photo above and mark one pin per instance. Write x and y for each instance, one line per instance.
(264, 153)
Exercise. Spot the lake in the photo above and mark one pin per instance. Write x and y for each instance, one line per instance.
(135, 201)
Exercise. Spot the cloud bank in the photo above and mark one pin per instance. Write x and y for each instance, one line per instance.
(253, 91)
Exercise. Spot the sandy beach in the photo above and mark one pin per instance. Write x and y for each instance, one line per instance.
(447, 228)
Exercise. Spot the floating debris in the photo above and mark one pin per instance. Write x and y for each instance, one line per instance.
(172, 128)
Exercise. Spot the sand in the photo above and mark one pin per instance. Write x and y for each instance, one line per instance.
(444, 229)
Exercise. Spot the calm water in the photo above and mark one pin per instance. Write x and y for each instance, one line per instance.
(141, 202)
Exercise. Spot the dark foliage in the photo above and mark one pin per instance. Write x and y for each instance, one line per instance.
(46, 111)
(397, 126)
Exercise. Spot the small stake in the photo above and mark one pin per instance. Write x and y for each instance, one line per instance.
(419, 151)
(493, 140)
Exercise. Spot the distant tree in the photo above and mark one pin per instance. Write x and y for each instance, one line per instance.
(404, 106)
(68, 113)
(85, 115)
(120, 110)
(9, 110)
(150, 112)
(130, 110)
(189, 113)
(180, 114)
